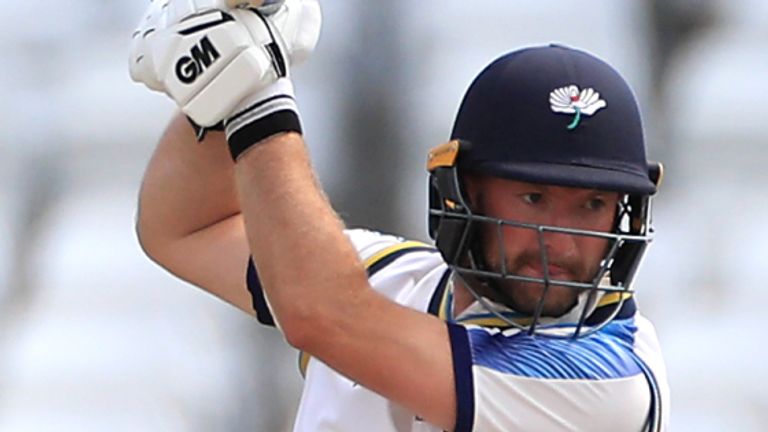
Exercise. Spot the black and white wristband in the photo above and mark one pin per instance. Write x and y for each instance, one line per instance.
(269, 112)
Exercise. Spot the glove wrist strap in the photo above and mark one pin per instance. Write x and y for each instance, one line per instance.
(269, 112)
(257, 131)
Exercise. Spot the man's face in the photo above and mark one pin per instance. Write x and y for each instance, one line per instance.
(571, 257)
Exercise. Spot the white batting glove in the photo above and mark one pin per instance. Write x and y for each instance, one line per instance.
(217, 62)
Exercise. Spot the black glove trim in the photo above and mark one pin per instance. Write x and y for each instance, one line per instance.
(261, 129)
(201, 131)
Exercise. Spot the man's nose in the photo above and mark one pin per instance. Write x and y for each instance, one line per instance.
(558, 244)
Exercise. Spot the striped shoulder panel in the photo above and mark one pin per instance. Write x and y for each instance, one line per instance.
(442, 298)
(373, 265)
(388, 255)
(607, 354)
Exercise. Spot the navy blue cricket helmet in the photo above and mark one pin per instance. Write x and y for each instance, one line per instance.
(557, 116)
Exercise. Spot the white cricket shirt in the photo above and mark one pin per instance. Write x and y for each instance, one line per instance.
(505, 379)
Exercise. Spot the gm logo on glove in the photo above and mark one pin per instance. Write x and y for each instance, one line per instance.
(201, 56)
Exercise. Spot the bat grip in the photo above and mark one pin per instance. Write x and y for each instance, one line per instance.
(266, 7)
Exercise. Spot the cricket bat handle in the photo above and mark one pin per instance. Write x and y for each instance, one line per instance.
(267, 7)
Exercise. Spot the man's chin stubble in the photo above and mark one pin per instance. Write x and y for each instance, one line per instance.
(559, 300)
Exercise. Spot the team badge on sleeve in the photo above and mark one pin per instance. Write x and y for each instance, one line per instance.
(571, 100)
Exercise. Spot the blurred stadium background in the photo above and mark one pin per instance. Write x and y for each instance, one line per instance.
(95, 337)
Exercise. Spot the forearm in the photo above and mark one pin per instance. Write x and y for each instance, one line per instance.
(296, 239)
(189, 218)
(316, 285)
(319, 291)
(188, 186)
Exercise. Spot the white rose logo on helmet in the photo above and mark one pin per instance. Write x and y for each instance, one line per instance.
(569, 100)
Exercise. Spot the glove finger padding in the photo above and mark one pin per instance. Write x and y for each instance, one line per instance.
(299, 23)
(141, 66)
(181, 10)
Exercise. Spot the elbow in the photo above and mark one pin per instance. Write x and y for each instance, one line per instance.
(297, 338)
(150, 249)
(151, 244)
(159, 250)
(307, 327)
(300, 329)
(315, 325)
(146, 242)
(321, 320)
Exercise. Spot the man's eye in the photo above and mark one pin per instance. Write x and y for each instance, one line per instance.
(532, 198)
(595, 204)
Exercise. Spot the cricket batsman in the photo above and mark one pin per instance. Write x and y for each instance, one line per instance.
(520, 317)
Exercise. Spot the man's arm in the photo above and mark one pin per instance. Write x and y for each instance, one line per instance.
(397, 352)
(189, 218)
(316, 285)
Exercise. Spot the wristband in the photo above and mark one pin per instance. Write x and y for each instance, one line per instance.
(267, 113)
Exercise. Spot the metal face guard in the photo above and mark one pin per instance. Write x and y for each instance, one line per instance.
(454, 226)
(472, 268)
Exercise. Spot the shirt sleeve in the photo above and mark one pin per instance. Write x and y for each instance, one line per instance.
(507, 380)
(397, 268)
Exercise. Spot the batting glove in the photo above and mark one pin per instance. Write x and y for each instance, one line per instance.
(223, 64)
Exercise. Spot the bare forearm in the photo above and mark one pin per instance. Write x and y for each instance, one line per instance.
(294, 235)
(188, 186)
(189, 218)
(319, 291)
